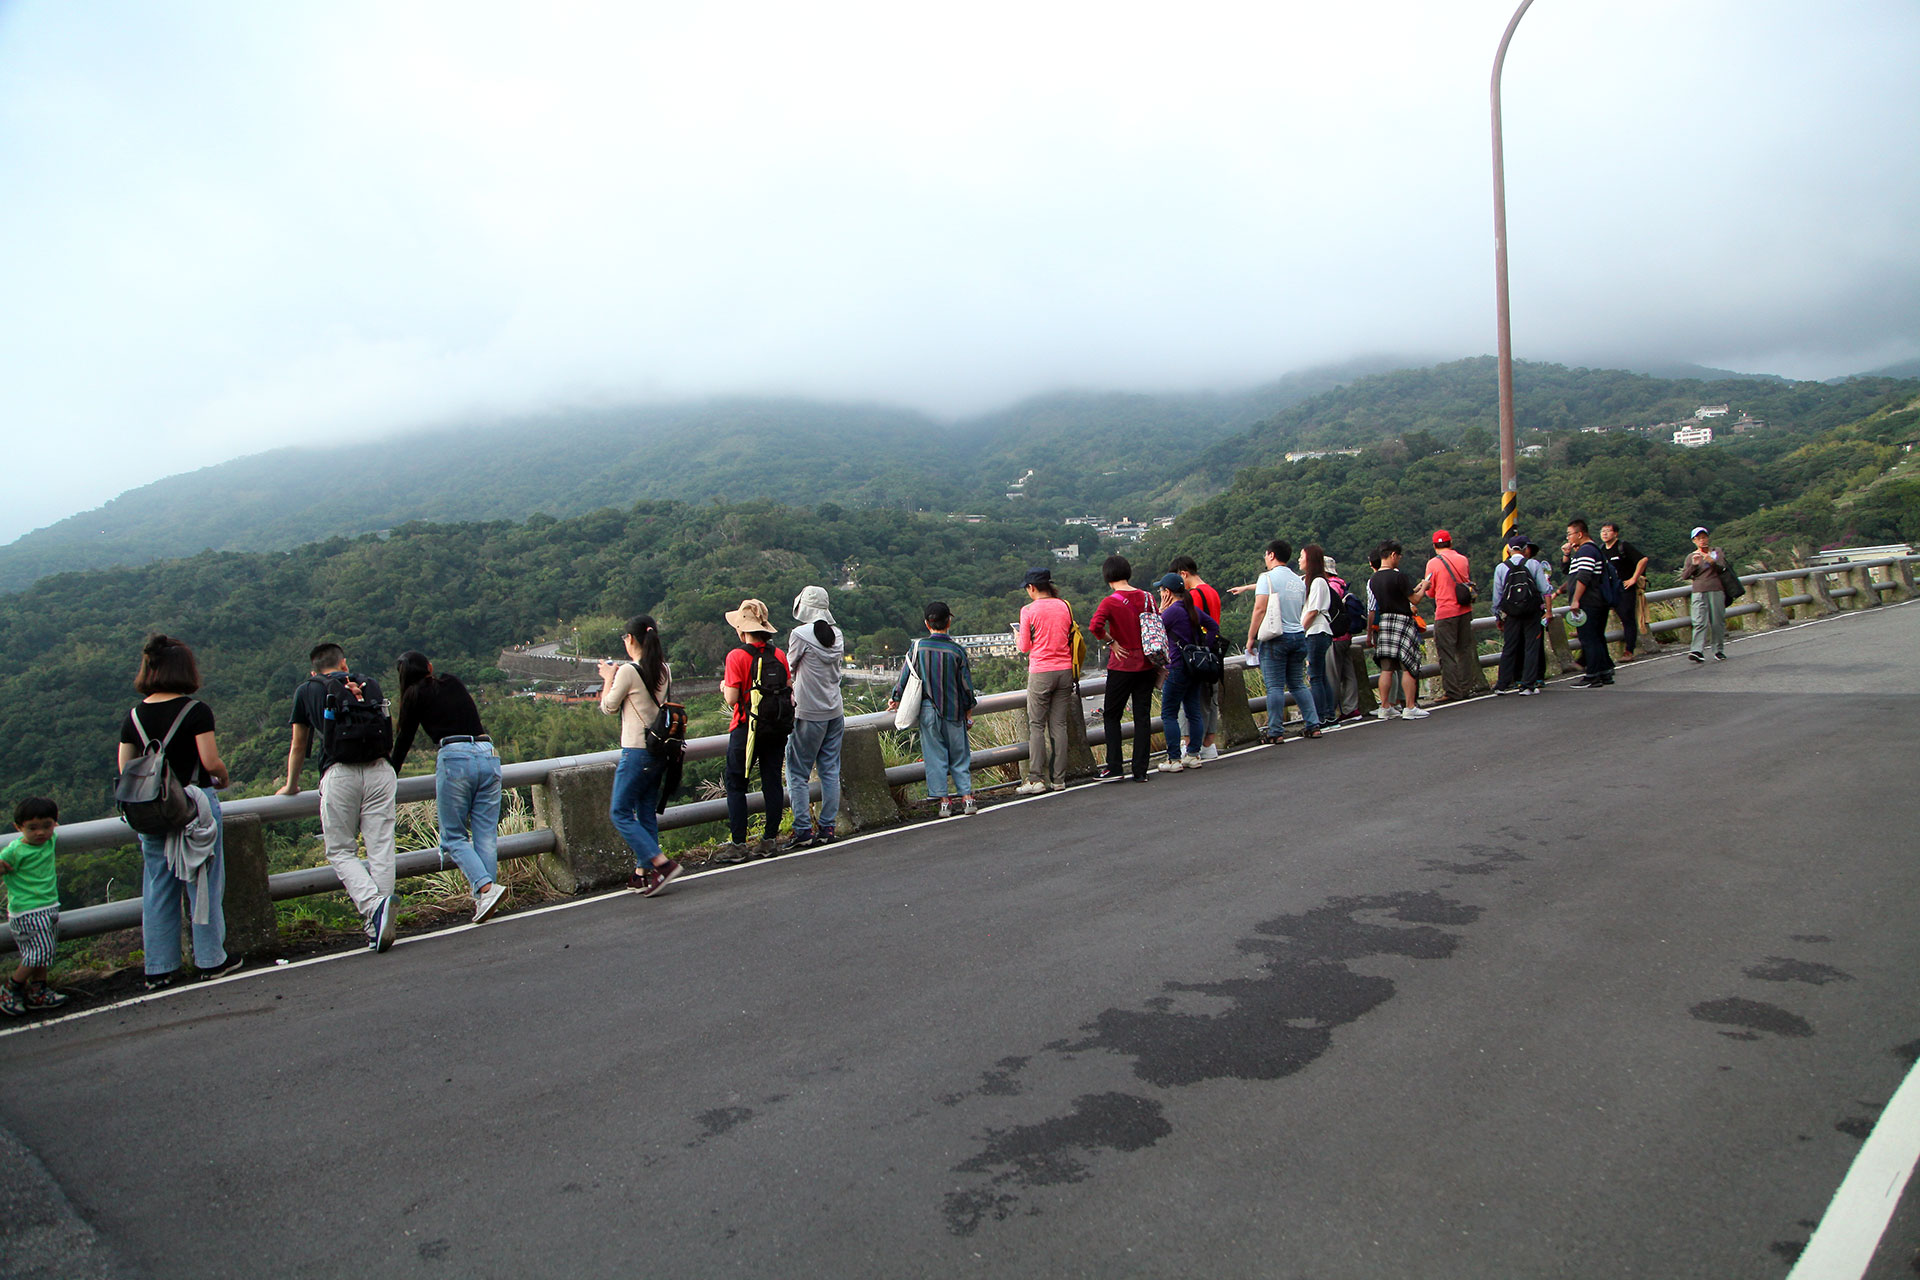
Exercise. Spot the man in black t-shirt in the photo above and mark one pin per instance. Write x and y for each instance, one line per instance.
(1632, 567)
(358, 799)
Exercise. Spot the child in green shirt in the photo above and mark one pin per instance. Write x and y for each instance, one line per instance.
(33, 906)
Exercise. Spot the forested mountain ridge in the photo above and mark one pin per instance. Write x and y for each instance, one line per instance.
(569, 462)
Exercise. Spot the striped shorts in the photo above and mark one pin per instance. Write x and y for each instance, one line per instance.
(37, 933)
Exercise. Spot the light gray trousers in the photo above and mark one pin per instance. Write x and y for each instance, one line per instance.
(357, 802)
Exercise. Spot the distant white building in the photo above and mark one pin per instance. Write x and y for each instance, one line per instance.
(994, 644)
(1533, 450)
(1069, 552)
(1693, 437)
(1706, 411)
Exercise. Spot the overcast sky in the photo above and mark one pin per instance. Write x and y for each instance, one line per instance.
(229, 226)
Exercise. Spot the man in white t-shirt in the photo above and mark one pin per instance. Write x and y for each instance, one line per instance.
(1277, 636)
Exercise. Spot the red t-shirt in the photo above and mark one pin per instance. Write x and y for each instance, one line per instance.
(1207, 598)
(1444, 605)
(738, 674)
(1117, 621)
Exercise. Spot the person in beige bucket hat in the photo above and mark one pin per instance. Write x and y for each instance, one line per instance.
(757, 688)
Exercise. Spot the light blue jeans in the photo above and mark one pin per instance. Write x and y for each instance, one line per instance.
(1283, 666)
(944, 744)
(466, 792)
(1177, 695)
(814, 744)
(636, 796)
(160, 896)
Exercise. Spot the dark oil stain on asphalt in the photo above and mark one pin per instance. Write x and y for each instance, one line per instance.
(1811, 937)
(1754, 1015)
(717, 1121)
(1486, 859)
(1782, 969)
(1908, 1053)
(1856, 1126)
(1274, 1023)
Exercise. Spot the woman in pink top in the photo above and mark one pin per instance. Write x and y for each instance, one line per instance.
(1046, 630)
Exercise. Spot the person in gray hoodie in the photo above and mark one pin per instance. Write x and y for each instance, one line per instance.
(816, 651)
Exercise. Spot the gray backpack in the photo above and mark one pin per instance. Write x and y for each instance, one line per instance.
(149, 794)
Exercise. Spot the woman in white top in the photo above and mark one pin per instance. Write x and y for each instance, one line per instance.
(1318, 623)
(635, 690)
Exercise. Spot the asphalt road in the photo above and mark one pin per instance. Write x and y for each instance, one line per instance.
(1602, 983)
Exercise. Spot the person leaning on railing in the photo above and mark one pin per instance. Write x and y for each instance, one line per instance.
(466, 774)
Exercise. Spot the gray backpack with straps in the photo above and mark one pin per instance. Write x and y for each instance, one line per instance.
(149, 793)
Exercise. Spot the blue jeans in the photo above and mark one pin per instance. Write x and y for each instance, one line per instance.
(1326, 707)
(1283, 666)
(814, 744)
(944, 744)
(1179, 695)
(636, 796)
(160, 895)
(466, 792)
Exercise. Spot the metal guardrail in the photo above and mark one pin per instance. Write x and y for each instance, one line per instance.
(109, 833)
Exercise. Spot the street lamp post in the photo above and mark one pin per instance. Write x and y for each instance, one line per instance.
(1509, 481)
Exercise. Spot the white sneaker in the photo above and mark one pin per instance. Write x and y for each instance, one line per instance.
(1384, 713)
(488, 902)
(967, 806)
(1415, 713)
(1170, 766)
(1030, 789)
(1190, 762)
(1209, 753)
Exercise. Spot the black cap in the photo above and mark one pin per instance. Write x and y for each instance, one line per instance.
(1038, 578)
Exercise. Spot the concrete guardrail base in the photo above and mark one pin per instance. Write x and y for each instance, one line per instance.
(1237, 728)
(1818, 588)
(252, 929)
(1559, 649)
(576, 805)
(1869, 596)
(866, 802)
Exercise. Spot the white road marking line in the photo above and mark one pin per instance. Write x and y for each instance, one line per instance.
(1843, 1245)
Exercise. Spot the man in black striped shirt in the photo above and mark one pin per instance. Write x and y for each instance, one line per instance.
(1584, 572)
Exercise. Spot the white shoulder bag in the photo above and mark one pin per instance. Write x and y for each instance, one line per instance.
(1270, 623)
(910, 697)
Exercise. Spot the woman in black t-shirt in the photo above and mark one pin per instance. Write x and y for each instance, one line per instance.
(466, 774)
(168, 678)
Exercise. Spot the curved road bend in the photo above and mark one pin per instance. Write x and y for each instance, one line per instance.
(1601, 983)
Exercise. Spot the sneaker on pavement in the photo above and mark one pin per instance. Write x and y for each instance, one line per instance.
(1056, 786)
(1501, 691)
(1170, 766)
(1030, 789)
(13, 1001)
(376, 922)
(489, 902)
(823, 834)
(968, 807)
(1210, 753)
(663, 876)
(389, 918)
(800, 838)
(45, 997)
(1696, 657)
(231, 964)
(1110, 772)
(730, 853)
(1385, 713)
(639, 879)
(1719, 657)
(1528, 692)
(1415, 713)
(1190, 761)
(161, 981)
(946, 807)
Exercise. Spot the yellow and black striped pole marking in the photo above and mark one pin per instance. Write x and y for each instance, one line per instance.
(1509, 513)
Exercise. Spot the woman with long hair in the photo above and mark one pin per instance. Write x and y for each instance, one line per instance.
(635, 689)
(169, 714)
(1317, 620)
(466, 774)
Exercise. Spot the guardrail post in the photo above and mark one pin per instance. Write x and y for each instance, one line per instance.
(588, 853)
(252, 927)
(1559, 651)
(1823, 601)
(1771, 609)
(1080, 761)
(1903, 576)
(1237, 728)
(866, 801)
(1869, 596)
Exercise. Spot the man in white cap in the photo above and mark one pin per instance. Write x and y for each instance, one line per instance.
(1706, 573)
(816, 650)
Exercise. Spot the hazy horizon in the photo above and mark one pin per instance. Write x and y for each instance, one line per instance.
(247, 227)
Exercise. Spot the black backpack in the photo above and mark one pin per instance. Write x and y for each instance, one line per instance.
(1206, 658)
(1613, 589)
(772, 707)
(1520, 596)
(359, 730)
(1350, 617)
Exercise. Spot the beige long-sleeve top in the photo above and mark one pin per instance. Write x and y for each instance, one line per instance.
(628, 694)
